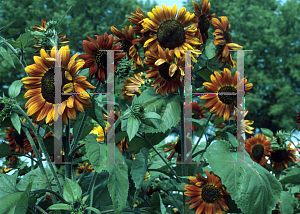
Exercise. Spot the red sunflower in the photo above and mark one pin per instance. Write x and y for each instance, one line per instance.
(176, 148)
(282, 157)
(96, 56)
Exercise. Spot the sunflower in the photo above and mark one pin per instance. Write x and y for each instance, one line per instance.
(82, 168)
(13, 160)
(282, 157)
(132, 86)
(169, 32)
(166, 71)
(129, 44)
(41, 90)
(207, 194)
(219, 103)
(5, 170)
(197, 113)
(177, 148)
(96, 55)
(137, 19)
(298, 120)
(258, 148)
(19, 142)
(42, 44)
(224, 40)
(202, 19)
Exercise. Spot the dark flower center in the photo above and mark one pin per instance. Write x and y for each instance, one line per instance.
(170, 34)
(164, 72)
(48, 87)
(210, 194)
(178, 147)
(227, 99)
(19, 139)
(126, 45)
(227, 36)
(258, 151)
(203, 23)
(279, 155)
(194, 114)
(101, 59)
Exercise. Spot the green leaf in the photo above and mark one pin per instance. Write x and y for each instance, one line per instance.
(22, 205)
(6, 25)
(23, 39)
(93, 209)
(267, 132)
(72, 191)
(87, 127)
(245, 180)
(96, 152)
(210, 49)
(6, 56)
(152, 115)
(60, 207)
(37, 178)
(292, 177)
(4, 150)
(132, 127)
(15, 88)
(232, 139)
(287, 203)
(126, 23)
(218, 121)
(211, 67)
(205, 74)
(120, 136)
(134, 100)
(157, 204)
(15, 120)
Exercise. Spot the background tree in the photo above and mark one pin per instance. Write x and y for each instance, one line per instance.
(270, 30)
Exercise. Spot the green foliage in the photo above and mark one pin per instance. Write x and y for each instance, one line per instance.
(210, 49)
(86, 129)
(37, 178)
(4, 150)
(15, 120)
(132, 127)
(15, 88)
(287, 203)
(72, 191)
(292, 177)
(6, 55)
(245, 180)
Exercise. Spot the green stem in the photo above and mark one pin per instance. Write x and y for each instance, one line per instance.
(52, 192)
(39, 159)
(27, 156)
(146, 140)
(68, 166)
(38, 207)
(42, 146)
(91, 190)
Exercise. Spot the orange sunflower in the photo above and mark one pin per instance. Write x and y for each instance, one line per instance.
(40, 28)
(169, 32)
(5, 170)
(129, 44)
(177, 148)
(258, 148)
(96, 56)
(132, 86)
(13, 160)
(224, 40)
(202, 19)
(207, 194)
(137, 19)
(41, 90)
(82, 168)
(219, 103)
(197, 113)
(282, 157)
(165, 69)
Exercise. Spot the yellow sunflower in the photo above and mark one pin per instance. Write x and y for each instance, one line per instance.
(38, 28)
(5, 170)
(202, 19)
(176, 147)
(207, 194)
(132, 86)
(219, 103)
(99, 132)
(258, 148)
(282, 157)
(224, 40)
(96, 55)
(129, 44)
(169, 32)
(82, 168)
(165, 69)
(41, 90)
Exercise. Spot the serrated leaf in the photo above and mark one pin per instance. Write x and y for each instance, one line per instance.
(267, 132)
(132, 127)
(152, 115)
(15, 88)
(15, 120)
(292, 177)
(245, 180)
(38, 179)
(210, 49)
(72, 191)
(205, 74)
(287, 203)
(6, 56)
(60, 207)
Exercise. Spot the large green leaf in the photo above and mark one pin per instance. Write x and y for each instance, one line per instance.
(205, 73)
(6, 56)
(15, 88)
(15, 120)
(72, 191)
(168, 107)
(12, 200)
(210, 49)
(132, 127)
(287, 203)
(118, 183)
(292, 177)
(37, 178)
(267, 132)
(60, 207)
(251, 186)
